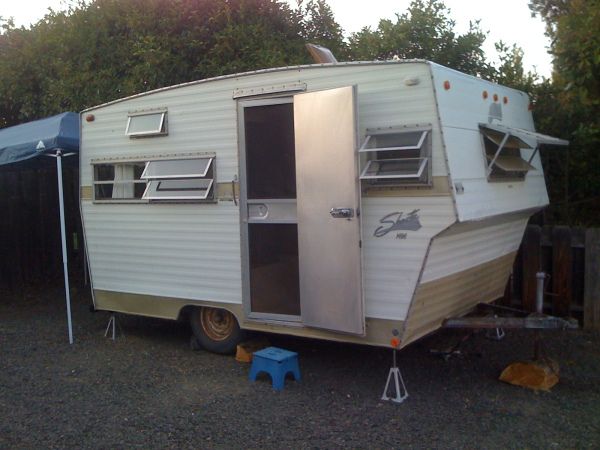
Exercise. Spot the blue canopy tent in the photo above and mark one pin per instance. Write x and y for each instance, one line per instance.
(30, 144)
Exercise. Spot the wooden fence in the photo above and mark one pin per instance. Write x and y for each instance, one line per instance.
(571, 256)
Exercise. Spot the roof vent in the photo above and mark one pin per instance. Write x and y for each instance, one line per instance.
(320, 54)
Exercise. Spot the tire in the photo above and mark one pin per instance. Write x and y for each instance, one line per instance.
(217, 330)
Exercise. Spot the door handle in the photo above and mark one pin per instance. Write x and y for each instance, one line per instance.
(342, 213)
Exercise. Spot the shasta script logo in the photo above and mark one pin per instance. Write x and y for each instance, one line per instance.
(398, 221)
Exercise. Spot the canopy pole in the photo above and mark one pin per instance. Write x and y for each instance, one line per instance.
(63, 236)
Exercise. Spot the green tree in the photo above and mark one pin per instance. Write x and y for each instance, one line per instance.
(252, 34)
(571, 106)
(320, 27)
(511, 71)
(106, 49)
(424, 31)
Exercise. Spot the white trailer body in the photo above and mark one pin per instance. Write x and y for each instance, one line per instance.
(343, 201)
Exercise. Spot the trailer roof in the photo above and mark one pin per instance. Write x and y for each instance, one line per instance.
(261, 71)
(301, 67)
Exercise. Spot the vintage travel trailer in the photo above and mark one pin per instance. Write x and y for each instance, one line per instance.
(346, 201)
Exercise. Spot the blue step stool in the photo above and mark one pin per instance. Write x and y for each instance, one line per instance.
(277, 362)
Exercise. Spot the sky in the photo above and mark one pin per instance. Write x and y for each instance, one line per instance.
(506, 20)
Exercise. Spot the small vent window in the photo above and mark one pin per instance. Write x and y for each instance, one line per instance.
(504, 161)
(146, 124)
(397, 157)
(180, 179)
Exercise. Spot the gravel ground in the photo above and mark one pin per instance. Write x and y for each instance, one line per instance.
(149, 390)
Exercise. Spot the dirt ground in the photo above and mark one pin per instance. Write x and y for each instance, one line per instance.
(147, 389)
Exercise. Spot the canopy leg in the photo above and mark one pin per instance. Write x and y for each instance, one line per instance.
(61, 202)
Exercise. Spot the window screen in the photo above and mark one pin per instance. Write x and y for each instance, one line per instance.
(147, 124)
(397, 157)
(270, 151)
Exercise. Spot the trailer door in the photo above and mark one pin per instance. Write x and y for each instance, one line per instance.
(327, 210)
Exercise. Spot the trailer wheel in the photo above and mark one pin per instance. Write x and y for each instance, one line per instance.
(217, 330)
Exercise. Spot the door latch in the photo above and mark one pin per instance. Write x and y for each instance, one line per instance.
(342, 213)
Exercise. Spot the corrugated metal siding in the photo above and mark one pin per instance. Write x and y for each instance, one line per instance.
(391, 266)
(193, 251)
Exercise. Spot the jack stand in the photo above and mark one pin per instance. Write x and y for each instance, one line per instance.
(497, 334)
(112, 323)
(401, 392)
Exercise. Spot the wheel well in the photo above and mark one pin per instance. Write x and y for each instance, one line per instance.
(184, 313)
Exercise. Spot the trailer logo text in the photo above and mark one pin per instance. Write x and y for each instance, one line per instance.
(397, 221)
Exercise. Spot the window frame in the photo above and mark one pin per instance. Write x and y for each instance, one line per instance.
(145, 176)
(424, 162)
(154, 180)
(144, 160)
(153, 187)
(162, 129)
(509, 141)
(423, 145)
(103, 162)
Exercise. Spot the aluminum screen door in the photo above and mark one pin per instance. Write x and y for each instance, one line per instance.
(327, 204)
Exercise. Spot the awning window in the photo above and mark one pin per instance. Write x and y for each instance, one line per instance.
(411, 140)
(497, 136)
(189, 179)
(532, 137)
(177, 168)
(145, 124)
(397, 156)
(513, 164)
(502, 147)
(409, 168)
(190, 189)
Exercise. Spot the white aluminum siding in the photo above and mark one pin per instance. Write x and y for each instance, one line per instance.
(464, 246)
(462, 107)
(392, 263)
(193, 251)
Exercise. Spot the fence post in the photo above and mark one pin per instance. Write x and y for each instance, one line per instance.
(531, 265)
(591, 294)
(561, 271)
